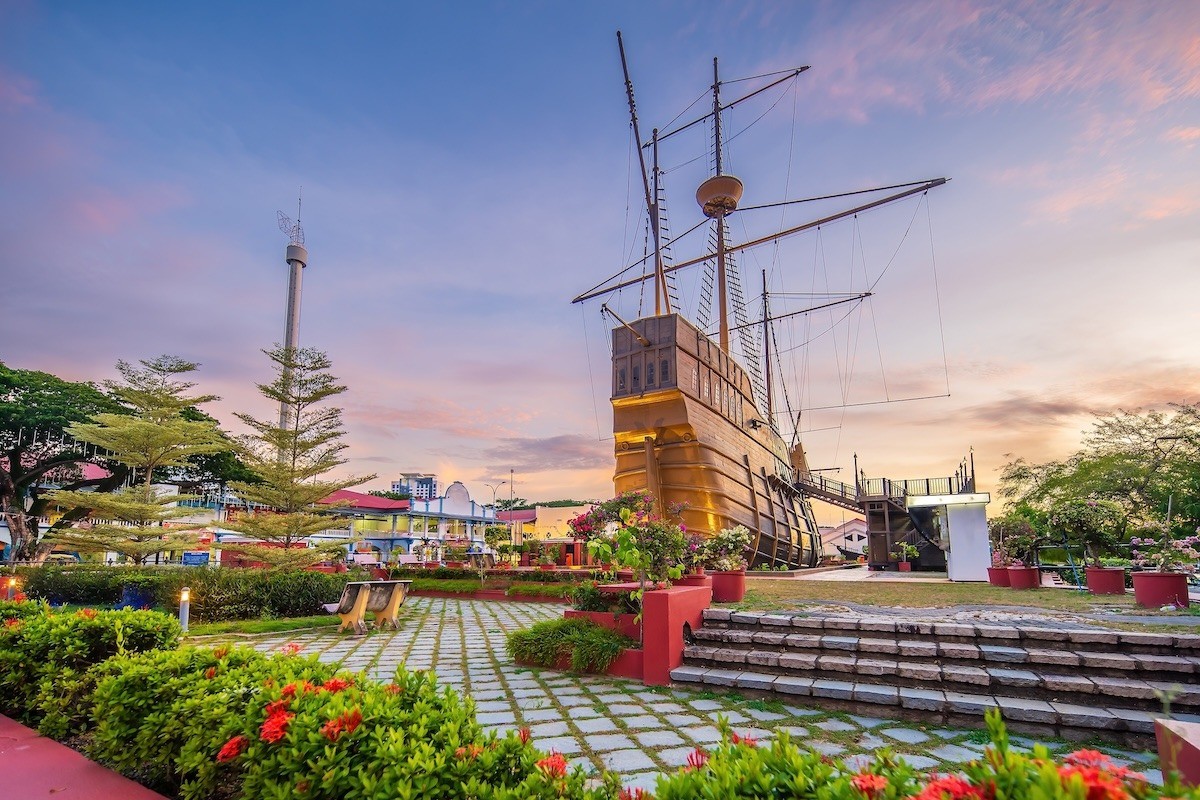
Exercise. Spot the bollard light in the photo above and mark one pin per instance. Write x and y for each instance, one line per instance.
(12, 588)
(185, 602)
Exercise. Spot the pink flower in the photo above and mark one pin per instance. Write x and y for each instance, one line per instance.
(291, 648)
(697, 759)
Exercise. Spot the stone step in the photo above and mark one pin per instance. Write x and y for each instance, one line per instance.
(1060, 637)
(1077, 660)
(1038, 717)
(1025, 681)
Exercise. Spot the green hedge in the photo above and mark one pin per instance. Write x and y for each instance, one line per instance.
(232, 723)
(531, 576)
(48, 660)
(589, 647)
(217, 594)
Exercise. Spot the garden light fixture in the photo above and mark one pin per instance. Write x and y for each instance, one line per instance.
(185, 602)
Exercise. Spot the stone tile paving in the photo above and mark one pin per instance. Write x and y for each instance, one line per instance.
(600, 722)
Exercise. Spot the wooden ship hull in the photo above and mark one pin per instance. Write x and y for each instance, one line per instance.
(687, 429)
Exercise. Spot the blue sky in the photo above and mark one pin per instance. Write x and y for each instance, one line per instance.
(466, 171)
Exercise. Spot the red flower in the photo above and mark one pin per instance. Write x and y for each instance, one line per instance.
(221, 652)
(749, 741)
(869, 784)
(12, 623)
(274, 727)
(304, 687)
(635, 793)
(554, 765)
(1100, 784)
(86, 613)
(347, 722)
(393, 688)
(291, 648)
(697, 759)
(232, 749)
(524, 735)
(277, 707)
(950, 786)
(1088, 758)
(335, 685)
(20, 597)
(471, 751)
(210, 673)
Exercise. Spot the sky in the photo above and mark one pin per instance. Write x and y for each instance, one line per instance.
(466, 171)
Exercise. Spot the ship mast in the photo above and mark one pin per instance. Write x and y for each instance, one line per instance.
(661, 298)
(718, 196)
(767, 349)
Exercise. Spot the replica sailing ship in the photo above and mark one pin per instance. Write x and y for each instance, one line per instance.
(688, 423)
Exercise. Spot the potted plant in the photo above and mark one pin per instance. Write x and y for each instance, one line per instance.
(550, 555)
(523, 549)
(1096, 527)
(998, 571)
(453, 556)
(1162, 557)
(727, 560)
(694, 556)
(1023, 544)
(903, 552)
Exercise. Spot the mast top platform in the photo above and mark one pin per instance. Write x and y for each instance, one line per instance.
(719, 195)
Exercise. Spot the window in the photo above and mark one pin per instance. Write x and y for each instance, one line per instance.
(621, 379)
(650, 373)
(637, 376)
(665, 377)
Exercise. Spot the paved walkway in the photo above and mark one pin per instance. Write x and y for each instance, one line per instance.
(619, 725)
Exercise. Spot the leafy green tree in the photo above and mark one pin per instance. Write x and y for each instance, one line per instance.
(36, 409)
(515, 504)
(390, 495)
(291, 461)
(1142, 461)
(154, 436)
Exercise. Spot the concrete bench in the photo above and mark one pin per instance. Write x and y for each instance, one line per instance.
(381, 598)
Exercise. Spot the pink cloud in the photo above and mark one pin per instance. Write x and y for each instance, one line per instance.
(1177, 204)
(982, 54)
(16, 91)
(1090, 192)
(97, 210)
(1186, 135)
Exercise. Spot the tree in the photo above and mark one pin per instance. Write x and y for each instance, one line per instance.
(154, 436)
(291, 460)
(36, 409)
(515, 504)
(1142, 461)
(390, 495)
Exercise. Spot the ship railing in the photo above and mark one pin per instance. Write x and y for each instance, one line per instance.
(883, 487)
(830, 486)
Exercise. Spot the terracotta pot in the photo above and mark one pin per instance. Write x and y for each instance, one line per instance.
(904, 566)
(524, 559)
(693, 580)
(998, 576)
(454, 564)
(1023, 577)
(545, 567)
(1105, 580)
(698, 570)
(729, 587)
(1156, 589)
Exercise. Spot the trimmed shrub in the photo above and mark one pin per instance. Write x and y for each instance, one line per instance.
(739, 768)
(47, 661)
(236, 724)
(218, 595)
(447, 573)
(589, 647)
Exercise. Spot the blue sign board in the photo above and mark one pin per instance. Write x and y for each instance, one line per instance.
(195, 559)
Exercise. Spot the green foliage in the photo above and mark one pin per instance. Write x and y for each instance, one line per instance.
(38, 401)
(290, 461)
(589, 647)
(1095, 526)
(388, 495)
(217, 594)
(201, 722)
(561, 576)
(586, 597)
(47, 660)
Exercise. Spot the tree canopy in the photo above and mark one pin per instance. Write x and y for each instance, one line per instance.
(1142, 461)
(291, 461)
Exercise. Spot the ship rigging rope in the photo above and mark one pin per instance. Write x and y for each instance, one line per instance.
(728, 140)
(937, 297)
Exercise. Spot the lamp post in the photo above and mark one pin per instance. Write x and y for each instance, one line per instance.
(12, 588)
(185, 604)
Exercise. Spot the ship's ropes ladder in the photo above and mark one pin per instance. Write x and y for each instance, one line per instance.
(664, 234)
(751, 356)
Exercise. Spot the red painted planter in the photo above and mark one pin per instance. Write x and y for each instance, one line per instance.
(1023, 577)
(693, 580)
(998, 576)
(1155, 589)
(904, 566)
(624, 624)
(1105, 580)
(729, 587)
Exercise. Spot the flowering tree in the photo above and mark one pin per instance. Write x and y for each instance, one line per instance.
(1159, 550)
(1094, 525)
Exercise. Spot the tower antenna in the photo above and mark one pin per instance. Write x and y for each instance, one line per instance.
(296, 257)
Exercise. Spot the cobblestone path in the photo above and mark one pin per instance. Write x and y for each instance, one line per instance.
(631, 729)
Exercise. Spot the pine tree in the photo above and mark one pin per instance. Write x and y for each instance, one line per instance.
(155, 434)
(291, 460)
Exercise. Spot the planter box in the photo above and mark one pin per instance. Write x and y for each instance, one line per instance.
(624, 624)
(904, 566)
(1179, 749)
(694, 580)
(729, 587)
(486, 594)
(1024, 577)
(1156, 589)
(628, 665)
(998, 576)
(1105, 580)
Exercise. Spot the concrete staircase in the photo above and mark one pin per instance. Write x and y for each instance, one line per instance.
(1073, 683)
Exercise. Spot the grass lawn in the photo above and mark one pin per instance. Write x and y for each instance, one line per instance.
(769, 595)
(251, 626)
